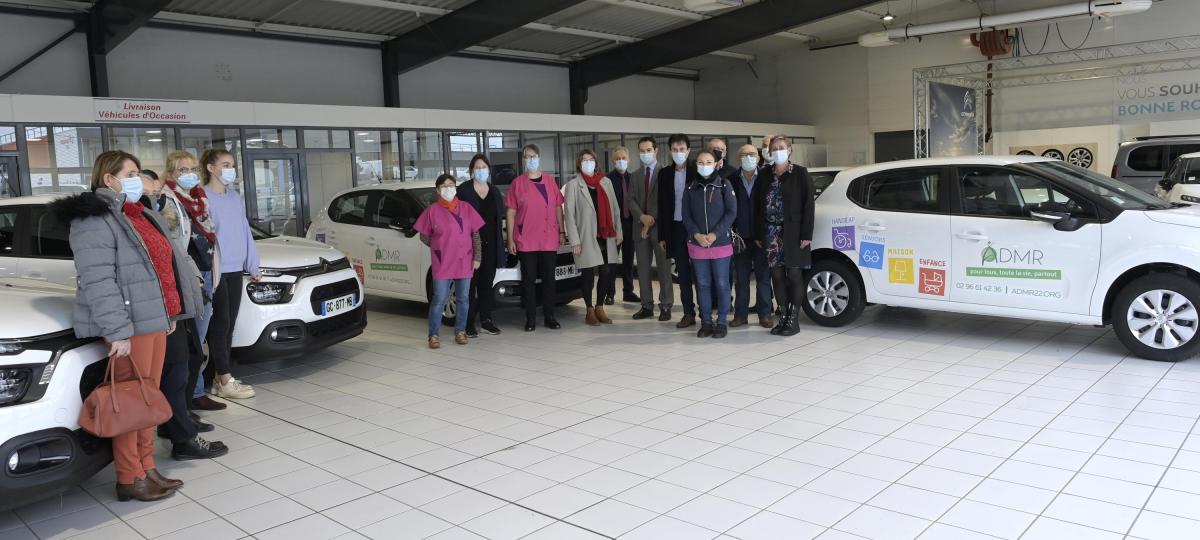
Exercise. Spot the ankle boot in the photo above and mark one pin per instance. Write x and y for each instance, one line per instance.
(602, 316)
(792, 326)
(782, 321)
(590, 317)
(144, 490)
(169, 483)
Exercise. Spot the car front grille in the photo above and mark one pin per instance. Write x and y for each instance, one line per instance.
(329, 291)
(564, 259)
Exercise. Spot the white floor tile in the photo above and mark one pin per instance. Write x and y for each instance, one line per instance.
(988, 519)
(772, 526)
(508, 522)
(815, 507)
(713, 513)
(665, 527)
(876, 523)
(914, 502)
(612, 518)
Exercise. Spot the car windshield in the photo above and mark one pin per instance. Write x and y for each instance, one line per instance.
(1119, 193)
(259, 234)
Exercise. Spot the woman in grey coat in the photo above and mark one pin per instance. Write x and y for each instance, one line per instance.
(593, 224)
(134, 284)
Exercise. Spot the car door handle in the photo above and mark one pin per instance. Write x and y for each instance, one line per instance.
(972, 236)
(873, 227)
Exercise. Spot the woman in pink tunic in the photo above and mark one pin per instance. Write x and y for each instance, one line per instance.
(451, 230)
(535, 231)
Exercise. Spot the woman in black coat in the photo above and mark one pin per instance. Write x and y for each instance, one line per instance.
(785, 229)
(489, 203)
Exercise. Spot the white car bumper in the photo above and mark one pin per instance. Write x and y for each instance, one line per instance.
(296, 325)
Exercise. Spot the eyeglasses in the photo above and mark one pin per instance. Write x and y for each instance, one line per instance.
(187, 170)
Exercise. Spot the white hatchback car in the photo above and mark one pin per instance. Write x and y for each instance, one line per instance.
(1011, 236)
(45, 373)
(373, 225)
(309, 296)
(1181, 183)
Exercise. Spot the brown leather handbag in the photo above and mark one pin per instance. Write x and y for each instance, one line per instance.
(117, 407)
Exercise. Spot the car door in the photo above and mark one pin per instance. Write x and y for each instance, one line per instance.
(344, 226)
(903, 231)
(10, 242)
(1004, 257)
(398, 261)
(49, 255)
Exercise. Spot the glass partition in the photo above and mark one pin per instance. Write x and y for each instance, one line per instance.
(327, 173)
(60, 158)
(504, 151)
(548, 144)
(463, 146)
(197, 140)
(422, 155)
(572, 144)
(271, 138)
(377, 157)
(327, 138)
(151, 144)
(8, 139)
(277, 198)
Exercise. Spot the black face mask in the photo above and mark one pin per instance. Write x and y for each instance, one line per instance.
(718, 154)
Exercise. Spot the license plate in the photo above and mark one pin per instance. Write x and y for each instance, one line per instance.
(337, 305)
(564, 272)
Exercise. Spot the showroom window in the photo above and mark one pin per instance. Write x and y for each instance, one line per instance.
(197, 140)
(905, 190)
(504, 151)
(61, 157)
(150, 144)
(463, 146)
(271, 138)
(573, 144)
(327, 138)
(8, 139)
(377, 157)
(422, 155)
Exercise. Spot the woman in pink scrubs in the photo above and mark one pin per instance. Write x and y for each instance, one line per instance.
(451, 230)
(535, 231)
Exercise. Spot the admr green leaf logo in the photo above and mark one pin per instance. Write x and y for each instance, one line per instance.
(379, 254)
(988, 255)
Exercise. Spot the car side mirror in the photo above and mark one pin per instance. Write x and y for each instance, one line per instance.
(1061, 221)
(405, 226)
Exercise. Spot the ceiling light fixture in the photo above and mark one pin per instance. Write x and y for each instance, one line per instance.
(887, 16)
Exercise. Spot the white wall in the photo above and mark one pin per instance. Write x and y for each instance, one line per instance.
(63, 70)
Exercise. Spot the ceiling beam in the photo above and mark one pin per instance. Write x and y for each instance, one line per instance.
(115, 20)
(685, 14)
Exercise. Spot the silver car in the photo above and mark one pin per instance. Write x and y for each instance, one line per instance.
(1143, 161)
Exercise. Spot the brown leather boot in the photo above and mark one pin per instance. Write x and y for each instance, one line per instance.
(154, 476)
(590, 318)
(143, 490)
(602, 316)
(686, 321)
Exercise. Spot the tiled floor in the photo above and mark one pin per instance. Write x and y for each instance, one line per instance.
(909, 424)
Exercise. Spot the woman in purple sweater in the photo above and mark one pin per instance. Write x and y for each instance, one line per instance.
(238, 255)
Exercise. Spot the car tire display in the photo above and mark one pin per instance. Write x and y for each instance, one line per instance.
(1156, 316)
(1080, 157)
(1026, 153)
(833, 294)
(1054, 153)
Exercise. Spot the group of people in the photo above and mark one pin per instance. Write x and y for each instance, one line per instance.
(721, 223)
(160, 262)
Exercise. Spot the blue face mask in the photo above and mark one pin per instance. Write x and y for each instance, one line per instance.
(531, 164)
(705, 170)
(228, 176)
(188, 181)
(132, 188)
(482, 175)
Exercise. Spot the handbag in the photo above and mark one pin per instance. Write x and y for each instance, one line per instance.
(739, 244)
(117, 407)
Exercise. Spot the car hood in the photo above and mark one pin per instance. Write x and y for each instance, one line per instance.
(1188, 216)
(34, 308)
(292, 252)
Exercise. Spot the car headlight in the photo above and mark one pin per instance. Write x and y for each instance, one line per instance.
(11, 347)
(1189, 198)
(13, 384)
(270, 272)
(267, 292)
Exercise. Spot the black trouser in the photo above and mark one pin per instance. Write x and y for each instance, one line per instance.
(174, 383)
(606, 282)
(626, 249)
(227, 299)
(683, 267)
(534, 265)
(788, 284)
(482, 297)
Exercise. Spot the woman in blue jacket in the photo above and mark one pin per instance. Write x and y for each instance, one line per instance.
(709, 209)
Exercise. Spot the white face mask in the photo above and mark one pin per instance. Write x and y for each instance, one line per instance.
(749, 163)
(648, 158)
(705, 170)
(532, 164)
(588, 166)
(622, 165)
(228, 176)
(779, 156)
(447, 193)
(679, 157)
(482, 175)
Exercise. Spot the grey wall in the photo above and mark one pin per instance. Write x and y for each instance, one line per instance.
(61, 71)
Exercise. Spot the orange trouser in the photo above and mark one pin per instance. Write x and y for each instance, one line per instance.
(133, 452)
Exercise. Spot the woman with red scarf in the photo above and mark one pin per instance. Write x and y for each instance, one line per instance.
(594, 231)
(451, 230)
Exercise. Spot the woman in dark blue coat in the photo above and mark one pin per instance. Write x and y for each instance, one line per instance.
(489, 203)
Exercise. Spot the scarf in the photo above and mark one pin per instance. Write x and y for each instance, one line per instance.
(195, 201)
(451, 205)
(604, 220)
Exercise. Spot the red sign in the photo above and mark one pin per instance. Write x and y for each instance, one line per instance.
(932, 281)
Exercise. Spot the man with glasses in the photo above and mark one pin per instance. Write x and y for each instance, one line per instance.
(752, 259)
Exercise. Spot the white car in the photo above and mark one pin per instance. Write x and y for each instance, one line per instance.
(822, 177)
(45, 373)
(373, 226)
(308, 298)
(1012, 236)
(1182, 181)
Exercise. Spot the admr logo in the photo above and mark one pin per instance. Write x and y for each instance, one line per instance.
(378, 254)
(1007, 256)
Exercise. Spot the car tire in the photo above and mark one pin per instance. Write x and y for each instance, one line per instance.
(449, 315)
(1137, 308)
(1054, 153)
(1080, 157)
(1026, 153)
(845, 300)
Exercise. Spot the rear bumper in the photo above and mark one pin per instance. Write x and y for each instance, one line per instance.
(293, 338)
(67, 459)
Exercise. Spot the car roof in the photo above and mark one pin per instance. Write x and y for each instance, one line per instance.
(1192, 155)
(35, 199)
(1163, 139)
(949, 161)
(826, 169)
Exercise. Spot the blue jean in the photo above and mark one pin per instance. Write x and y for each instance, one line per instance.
(441, 291)
(710, 274)
(756, 257)
(202, 326)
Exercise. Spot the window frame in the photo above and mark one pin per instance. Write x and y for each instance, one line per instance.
(1101, 211)
(30, 213)
(856, 192)
(21, 242)
(366, 194)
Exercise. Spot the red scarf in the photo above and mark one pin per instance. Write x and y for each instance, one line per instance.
(161, 258)
(195, 201)
(451, 205)
(604, 217)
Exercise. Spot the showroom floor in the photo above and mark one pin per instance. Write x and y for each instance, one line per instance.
(910, 424)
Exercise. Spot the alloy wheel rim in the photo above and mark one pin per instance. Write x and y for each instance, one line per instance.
(1162, 319)
(828, 295)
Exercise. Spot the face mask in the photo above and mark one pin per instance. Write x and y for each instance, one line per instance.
(679, 157)
(749, 163)
(647, 158)
(132, 188)
(705, 170)
(779, 156)
(768, 157)
(718, 154)
(188, 181)
(531, 164)
(447, 193)
(588, 167)
(228, 176)
(622, 165)
(482, 175)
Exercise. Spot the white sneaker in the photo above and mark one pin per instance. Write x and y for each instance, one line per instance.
(234, 389)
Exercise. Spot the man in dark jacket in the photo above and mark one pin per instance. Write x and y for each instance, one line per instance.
(753, 259)
(725, 169)
(619, 176)
(672, 181)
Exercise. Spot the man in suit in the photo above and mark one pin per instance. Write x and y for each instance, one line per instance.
(643, 213)
(672, 235)
(752, 261)
(620, 177)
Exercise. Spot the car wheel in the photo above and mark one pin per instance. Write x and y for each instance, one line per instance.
(1080, 157)
(1054, 154)
(1026, 153)
(1156, 317)
(833, 295)
(450, 311)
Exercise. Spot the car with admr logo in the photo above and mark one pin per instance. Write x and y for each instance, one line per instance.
(1012, 236)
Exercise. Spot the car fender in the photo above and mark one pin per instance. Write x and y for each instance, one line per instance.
(1135, 241)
